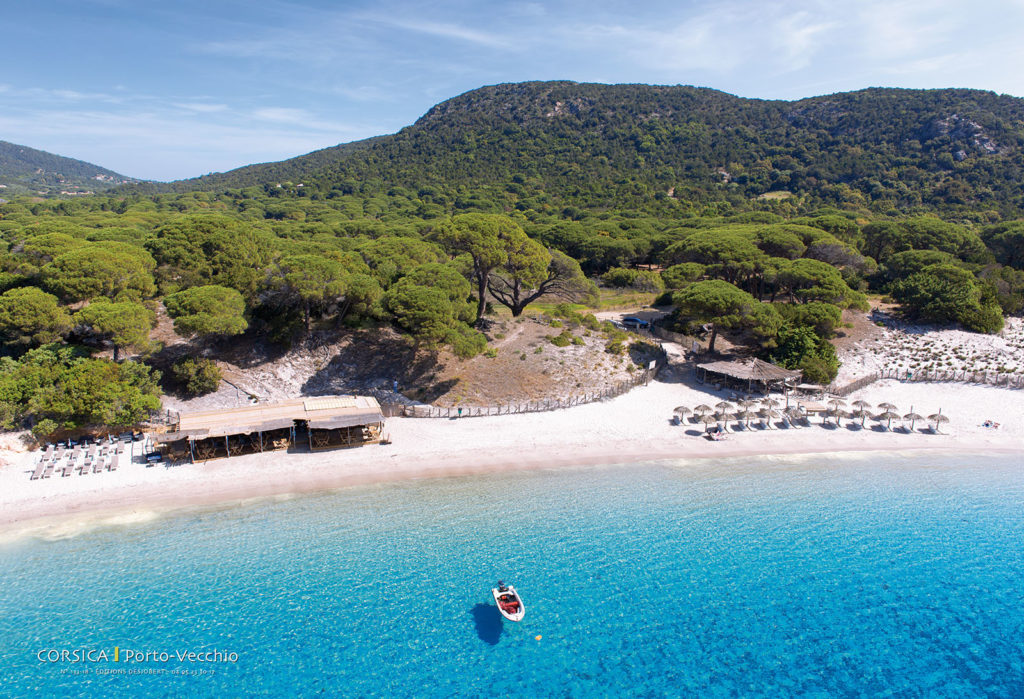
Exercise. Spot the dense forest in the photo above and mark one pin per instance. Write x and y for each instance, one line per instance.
(514, 195)
(25, 170)
(670, 149)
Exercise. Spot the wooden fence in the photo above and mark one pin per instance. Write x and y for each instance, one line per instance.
(536, 406)
(685, 341)
(988, 378)
(843, 391)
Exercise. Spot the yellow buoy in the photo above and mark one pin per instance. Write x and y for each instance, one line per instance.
(539, 637)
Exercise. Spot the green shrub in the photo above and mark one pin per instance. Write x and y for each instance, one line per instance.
(563, 340)
(196, 377)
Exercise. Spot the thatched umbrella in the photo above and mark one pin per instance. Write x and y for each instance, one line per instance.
(681, 412)
(938, 418)
(888, 416)
(887, 406)
(862, 414)
(746, 403)
(708, 421)
(767, 414)
(838, 413)
(702, 409)
(770, 403)
(837, 403)
(723, 406)
(725, 416)
(913, 417)
(745, 415)
(792, 414)
(861, 404)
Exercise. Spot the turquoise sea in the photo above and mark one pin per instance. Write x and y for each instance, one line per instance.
(826, 576)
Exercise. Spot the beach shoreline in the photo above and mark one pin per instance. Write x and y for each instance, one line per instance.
(635, 427)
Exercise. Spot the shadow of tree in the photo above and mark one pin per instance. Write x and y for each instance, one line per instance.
(376, 360)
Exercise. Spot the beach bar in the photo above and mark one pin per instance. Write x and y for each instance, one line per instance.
(748, 371)
(322, 422)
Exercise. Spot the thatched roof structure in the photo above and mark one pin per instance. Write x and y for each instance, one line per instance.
(320, 413)
(751, 370)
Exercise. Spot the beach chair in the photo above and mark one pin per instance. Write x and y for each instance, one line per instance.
(48, 471)
(67, 469)
(112, 466)
(38, 472)
(100, 465)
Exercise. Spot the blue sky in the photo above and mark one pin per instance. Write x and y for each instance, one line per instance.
(166, 89)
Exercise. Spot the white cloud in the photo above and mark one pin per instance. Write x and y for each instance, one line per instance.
(445, 30)
(201, 107)
(154, 144)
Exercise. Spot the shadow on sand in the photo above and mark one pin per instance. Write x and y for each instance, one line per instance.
(489, 623)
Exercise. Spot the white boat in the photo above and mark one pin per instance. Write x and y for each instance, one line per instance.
(510, 604)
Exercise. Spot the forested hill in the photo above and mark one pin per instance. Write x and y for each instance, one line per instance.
(591, 145)
(24, 169)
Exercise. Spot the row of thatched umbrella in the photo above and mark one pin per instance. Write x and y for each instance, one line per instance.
(726, 412)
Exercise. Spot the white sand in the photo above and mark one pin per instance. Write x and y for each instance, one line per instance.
(904, 346)
(633, 427)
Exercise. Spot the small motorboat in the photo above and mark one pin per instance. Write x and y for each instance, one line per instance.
(509, 603)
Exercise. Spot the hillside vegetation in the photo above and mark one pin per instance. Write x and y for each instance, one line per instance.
(675, 148)
(25, 170)
(515, 196)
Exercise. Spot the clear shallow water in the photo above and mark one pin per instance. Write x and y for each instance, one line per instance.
(880, 576)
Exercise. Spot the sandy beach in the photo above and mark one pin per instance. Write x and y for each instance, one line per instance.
(637, 426)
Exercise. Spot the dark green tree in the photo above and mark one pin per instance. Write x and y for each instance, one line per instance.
(724, 307)
(945, 293)
(207, 310)
(30, 316)
(486, 238)
(123, 324)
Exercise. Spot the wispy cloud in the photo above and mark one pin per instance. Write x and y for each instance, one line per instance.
(442, 30)
(201, 107)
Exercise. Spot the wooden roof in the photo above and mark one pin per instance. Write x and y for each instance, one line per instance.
(751, 370)
(320, 412)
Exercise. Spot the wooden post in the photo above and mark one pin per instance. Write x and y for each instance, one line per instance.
(192, 450)
(227, 446)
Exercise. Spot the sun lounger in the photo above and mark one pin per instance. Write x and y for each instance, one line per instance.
(112, 466)
(67, 469)
(100, 463)
(49, 470)
(40, 467)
